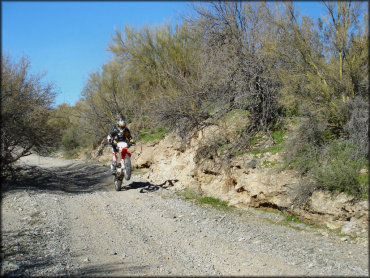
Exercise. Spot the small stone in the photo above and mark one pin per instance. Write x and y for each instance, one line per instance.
(346, 238)
(86, 259)
(252, 163)
(113, 253)
(348, 227)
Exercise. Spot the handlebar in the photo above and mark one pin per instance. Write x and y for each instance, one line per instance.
(128, 144)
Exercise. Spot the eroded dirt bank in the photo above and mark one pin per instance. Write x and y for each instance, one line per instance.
(250, 181)
(65, 218)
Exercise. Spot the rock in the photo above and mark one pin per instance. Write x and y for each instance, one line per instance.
(86, 259)
(113, 253)
(299, 225)
(252, 163)
(348, 227)
(325, 234)
(333, 224)
(323, 202)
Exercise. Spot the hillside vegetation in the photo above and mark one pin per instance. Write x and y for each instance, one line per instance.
(258, 67)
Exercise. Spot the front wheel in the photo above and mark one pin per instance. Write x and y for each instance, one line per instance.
(117, 184)
(127, 167)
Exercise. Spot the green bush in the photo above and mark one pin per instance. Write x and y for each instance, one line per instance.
(149, 135)
(69, 141)
(71, 153)
(303, 160)
(332, 165)
(302, 150)
(338, 170)
(214, 202)
(278, 136)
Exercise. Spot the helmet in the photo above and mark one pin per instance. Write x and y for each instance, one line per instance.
(121, 124)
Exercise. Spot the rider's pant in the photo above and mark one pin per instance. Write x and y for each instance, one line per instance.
(114, 159)
(114, 151)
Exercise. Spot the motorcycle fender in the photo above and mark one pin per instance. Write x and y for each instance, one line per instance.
(124, 152)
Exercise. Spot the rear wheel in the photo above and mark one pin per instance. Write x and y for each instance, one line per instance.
(127, 167)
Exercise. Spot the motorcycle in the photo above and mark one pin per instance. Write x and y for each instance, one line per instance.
(122, 164)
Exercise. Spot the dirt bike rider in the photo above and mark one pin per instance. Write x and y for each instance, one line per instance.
(119, 133)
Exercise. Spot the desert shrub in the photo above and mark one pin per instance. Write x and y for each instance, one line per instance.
(149, 135)
(338, 169)
(302, 192)
(26, 110)
(278, 136)
(71, 153)
(328, 164)
(303, 149)
(357, 128)
(69, 140)
(181, 114)
(208, 150)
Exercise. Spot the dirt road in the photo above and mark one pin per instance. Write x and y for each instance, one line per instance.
(64, 218)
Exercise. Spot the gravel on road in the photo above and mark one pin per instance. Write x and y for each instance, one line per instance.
(65, 218)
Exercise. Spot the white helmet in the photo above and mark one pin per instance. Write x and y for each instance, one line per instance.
(121, 124)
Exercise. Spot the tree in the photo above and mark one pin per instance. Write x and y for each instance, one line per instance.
(236, 74)
(25, 113)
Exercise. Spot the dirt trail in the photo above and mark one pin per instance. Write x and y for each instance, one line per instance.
(65, 218)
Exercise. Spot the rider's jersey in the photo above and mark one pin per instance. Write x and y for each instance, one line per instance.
(118, 134)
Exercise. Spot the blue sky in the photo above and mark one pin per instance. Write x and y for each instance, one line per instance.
(68, 40)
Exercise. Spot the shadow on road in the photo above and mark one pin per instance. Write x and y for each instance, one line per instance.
(108, 269)
(24, 251)
(25, 254)
(147, 187)
(74, 178)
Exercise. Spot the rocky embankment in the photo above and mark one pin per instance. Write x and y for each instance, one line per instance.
(249, 182)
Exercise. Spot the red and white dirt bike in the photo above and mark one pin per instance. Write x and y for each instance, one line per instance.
(123, 164)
